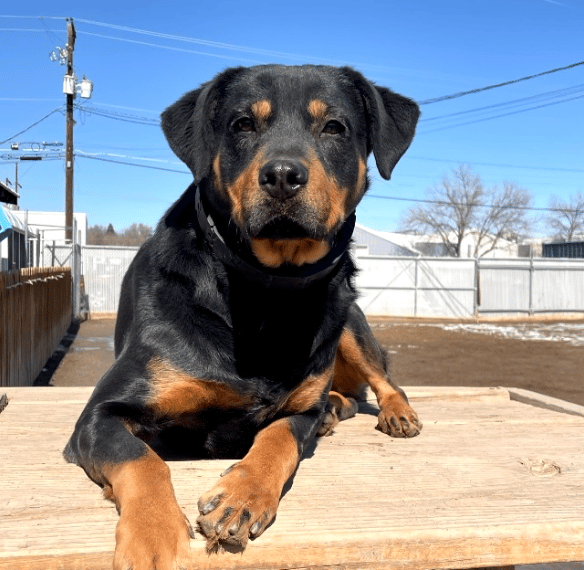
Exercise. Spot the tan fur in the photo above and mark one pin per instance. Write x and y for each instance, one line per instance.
(175, 393)
(317, 109)
(308, 393)
(152, 528)
(275, 252)
(244, 192)
(261, 110)
(251, 487)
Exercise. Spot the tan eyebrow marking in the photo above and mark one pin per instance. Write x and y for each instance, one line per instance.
(261, 109)
(317, 109)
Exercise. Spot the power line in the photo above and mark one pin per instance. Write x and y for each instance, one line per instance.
(480, 89)
(11, 159)
(213, 44)
(219, 45)
(502, 115)
(32, 17)
(26, 99)
(115, 155)
(222, 56)
(49, 32)
(130, 108)
(33, 125)
(92, 110)
(549, 168)
(27, 30)
(467, 204)
(209, 43)
(555, 94)
(133, 164)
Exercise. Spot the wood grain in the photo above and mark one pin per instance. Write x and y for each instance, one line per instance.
(491, 481)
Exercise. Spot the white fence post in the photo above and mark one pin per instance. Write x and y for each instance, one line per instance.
(477, 285)
(416, 267)
(76, 272)
(531, 275)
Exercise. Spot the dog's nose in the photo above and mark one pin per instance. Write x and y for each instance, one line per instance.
(283, 178)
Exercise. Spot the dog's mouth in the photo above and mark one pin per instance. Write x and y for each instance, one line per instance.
(283, 228)
(284, 241)
(290, 224)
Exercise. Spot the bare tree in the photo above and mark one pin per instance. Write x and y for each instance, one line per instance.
(134, 235)
(96, 235)
(461, 205)
(567, 219)
(505, 217)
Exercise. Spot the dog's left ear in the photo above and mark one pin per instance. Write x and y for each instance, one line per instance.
(392, 121)
(188, 124)
(184, 126)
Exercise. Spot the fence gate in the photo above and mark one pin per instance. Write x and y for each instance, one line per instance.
(69, 256)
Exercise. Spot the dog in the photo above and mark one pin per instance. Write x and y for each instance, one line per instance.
(237, 332)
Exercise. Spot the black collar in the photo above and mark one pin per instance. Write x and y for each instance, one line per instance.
(287, 277)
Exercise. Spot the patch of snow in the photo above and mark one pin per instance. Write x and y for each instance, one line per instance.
(572, 333)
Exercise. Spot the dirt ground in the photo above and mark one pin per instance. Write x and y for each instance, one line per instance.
(546, 357)
(447, 354)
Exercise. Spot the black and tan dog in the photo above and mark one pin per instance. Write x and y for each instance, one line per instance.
(238, 330)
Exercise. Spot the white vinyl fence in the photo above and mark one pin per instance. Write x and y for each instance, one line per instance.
(396, 286)
(413, 286)
(540, 285)
(102, 270)
(462, 288)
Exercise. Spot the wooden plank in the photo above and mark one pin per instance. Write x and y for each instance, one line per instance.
(453, 393)
(542, 401)
(489, 482)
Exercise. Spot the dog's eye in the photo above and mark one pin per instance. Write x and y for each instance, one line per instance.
(244, 125)
(333, 128)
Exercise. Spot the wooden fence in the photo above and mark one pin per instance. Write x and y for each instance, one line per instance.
(35, 312)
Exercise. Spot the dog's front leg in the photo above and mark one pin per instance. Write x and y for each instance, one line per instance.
(244, 501)
(153, 531)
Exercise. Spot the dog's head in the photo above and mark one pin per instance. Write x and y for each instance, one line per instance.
(282, 151)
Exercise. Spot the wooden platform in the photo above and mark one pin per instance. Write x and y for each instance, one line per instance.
(495, 479)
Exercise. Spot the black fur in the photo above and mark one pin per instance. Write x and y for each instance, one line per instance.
(181, 304)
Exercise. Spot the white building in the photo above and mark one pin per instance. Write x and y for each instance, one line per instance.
(374, 242)
(434, 246)
(24, 235)
(51, 225)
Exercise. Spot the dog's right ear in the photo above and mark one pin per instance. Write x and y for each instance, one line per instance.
(183, 125)
(188, 124)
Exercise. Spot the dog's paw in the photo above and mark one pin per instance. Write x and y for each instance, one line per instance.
(329, 421)
(398, 419)
(154, 538)
(240, 506)
(338, 408)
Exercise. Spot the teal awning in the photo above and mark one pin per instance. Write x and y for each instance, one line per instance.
(5, 225)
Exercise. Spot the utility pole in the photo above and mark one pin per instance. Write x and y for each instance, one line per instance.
(69, 136)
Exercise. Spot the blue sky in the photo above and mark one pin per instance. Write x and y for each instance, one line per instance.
(420, 48)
